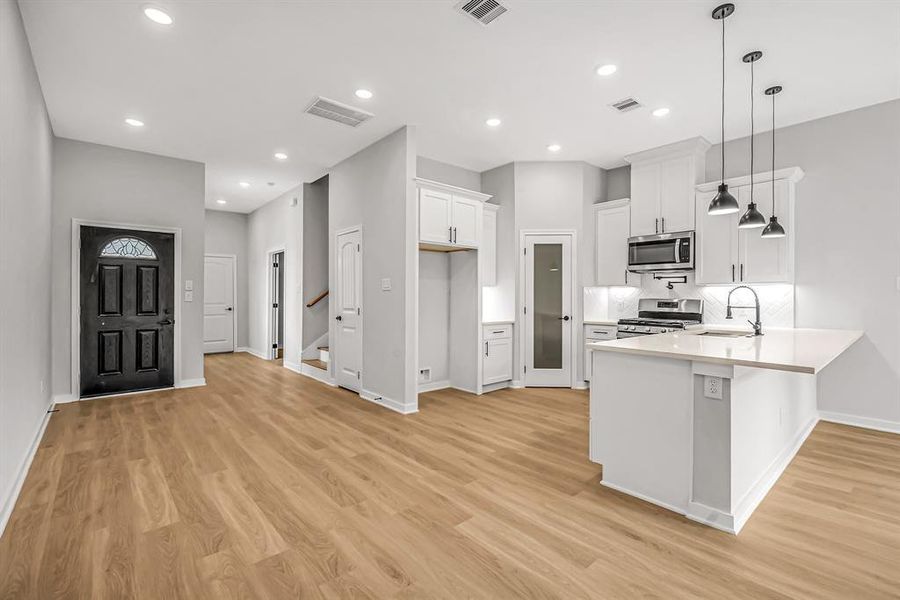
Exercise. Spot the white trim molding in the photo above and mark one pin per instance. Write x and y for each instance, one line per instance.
(394, 405)
(189, 383)
(251, 351)
(75, 302)
(10, 501)
(864, 422)
(792, 174)
(433, 386)
(311, 372)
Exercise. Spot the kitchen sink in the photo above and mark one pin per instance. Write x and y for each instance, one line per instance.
(726, 334)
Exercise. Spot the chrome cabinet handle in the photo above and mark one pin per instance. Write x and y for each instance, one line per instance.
(663, 224)
(487, 350)
(450, 233)
(742, 271)
(656, 225)
(732, 273)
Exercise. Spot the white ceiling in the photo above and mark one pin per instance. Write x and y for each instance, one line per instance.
(227, 83)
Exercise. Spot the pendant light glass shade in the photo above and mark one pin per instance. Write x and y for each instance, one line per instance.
(723, 203)
(752, 218)
(774, 228)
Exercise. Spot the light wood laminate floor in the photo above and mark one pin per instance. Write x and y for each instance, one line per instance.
(266, 484)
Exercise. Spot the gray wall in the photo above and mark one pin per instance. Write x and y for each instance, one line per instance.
(111, 185)
(375, 188)
(434, 170)
(618, 183)
(434, 314)
(499, 301)
(847, 246)
(315, 259)
(276, 225)
(25, 198)
(226, 233)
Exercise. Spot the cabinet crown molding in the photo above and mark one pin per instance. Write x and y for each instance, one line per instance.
(437, 185)
(692, 146)
(791, 174)
(609, 204)
(491, 206)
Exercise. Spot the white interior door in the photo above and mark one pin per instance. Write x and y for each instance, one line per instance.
(218, 304)
(348, 307)
(548, 310)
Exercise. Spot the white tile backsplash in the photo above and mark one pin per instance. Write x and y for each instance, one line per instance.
(776, 301)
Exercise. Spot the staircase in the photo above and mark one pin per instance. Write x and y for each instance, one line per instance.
(321, 362)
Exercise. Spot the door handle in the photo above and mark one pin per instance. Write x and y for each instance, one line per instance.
(228, 308)
(339, 318)
(563, 318)
(165, 322)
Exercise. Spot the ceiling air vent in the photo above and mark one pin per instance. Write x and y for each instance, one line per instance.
(626, 105)
(336, 111)
(483, 11)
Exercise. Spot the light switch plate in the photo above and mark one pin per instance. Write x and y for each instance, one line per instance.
(189, 296)
(386, 284)
(189, 284)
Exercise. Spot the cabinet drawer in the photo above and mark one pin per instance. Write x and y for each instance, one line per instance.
(599, 332)
(497, 332)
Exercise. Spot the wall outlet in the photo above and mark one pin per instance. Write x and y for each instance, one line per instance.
(386, 284)
(425, 375)
(712, 387)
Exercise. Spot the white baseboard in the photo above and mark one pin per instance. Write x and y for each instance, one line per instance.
(712, 517)
(64, 398)
(313, 373)
(866, 422)
(10, 502)
(643, 497)
(433, 386)
(250, 350)
(580, 386)
(517, 384)
(493, 387)
(403, 409)
(189, 383)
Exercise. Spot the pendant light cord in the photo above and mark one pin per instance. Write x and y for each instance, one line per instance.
(723, 100)
(751, 130)
(773, 154)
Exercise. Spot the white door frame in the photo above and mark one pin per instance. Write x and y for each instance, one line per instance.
(234, 297)
(75, 301)
(334, 350)
(520, 316)
(271, 353)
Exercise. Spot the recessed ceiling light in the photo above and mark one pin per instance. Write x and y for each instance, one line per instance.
(661, 112)
(157, 16)
(134, 122)
(280, 156)
(554, 147)
(220, 201)
(364, 94)
(244, 184)
(493, 122)
(606, 70)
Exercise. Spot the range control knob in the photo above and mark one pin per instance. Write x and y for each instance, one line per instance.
(646, 330)
(663, 330)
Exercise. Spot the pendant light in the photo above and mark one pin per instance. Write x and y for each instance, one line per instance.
(723, 203)
(752, 218)
(774, 228)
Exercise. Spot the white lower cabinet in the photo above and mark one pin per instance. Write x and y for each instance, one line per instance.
(496, 354)
(595, 333)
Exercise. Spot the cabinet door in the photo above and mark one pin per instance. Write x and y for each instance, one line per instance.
(611, 227)
(645, 199)
(497, 361)
(676, 195)
(434, 216)
(466, 221)
(487, 251)
(767, 260)
(715, 254)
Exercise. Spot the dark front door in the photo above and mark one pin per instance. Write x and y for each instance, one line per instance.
(127, 310)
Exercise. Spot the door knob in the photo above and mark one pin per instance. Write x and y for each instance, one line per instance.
(165, 322)
(563, 318)
(228, 308)
(339, 318)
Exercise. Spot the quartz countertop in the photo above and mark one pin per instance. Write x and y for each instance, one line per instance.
(783, 349)
(510, 322)
(606, 322)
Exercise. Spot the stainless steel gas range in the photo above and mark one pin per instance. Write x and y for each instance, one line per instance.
(661, 315)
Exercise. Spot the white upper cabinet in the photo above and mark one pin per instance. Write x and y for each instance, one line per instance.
(611, 229)
(465, 219)
(434, 216)
(662, 186)
(726, 254)
(449, 217)
(487, 251)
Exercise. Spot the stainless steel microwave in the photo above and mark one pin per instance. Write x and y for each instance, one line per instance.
(661, 252)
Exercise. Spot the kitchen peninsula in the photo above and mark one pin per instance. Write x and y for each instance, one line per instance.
(704, 421)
